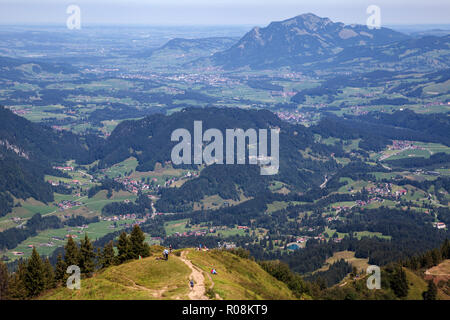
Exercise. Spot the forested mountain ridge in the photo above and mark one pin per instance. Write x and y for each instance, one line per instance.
(302, 39)
(149, 141)
(310, 43)
(37, 142)
(28, 151)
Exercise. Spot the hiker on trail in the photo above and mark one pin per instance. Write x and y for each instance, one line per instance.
(166, 254)
(213, 271)
(191, 283)
(170, 248)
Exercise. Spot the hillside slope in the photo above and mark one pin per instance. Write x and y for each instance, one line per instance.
(28, 151)
(153, 278)
(302, 39)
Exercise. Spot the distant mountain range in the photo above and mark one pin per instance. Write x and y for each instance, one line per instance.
(28, 151)
(212, 43)
(432, 32)
(311, 43)
(184, 50)
(302, 39)
(429, 53)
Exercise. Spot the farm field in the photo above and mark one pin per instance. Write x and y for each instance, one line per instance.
(45, 243)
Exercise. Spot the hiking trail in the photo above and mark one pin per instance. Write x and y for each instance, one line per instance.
(156, 293)
(198, 292)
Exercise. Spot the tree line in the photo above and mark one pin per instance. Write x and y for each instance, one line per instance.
(36, 274)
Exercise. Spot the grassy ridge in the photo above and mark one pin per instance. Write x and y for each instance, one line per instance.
(152, 278)
(145, 279)
(238, 278)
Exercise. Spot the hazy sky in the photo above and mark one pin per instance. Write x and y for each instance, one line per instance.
(220, 12)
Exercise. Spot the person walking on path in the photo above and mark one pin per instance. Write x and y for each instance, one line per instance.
(191, 283)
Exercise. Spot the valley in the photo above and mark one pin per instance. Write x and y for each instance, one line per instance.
(364, 158)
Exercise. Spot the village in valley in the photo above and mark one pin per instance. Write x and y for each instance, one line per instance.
(74, 201)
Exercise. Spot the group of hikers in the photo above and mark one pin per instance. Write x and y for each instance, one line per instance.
(191, 281)
(166, 253)
(200, 247)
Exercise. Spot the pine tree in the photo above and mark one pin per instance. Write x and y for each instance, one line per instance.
(431, 293)
(399, 283)
(445, 249)
(98, 258)
(34, 275)
(86, 256)
(50, 281)
(72, 254)
(436, 256)
(60, 269)
(17, 289)
(4, 280)
(138, 245)
(124, 248)
(108, 255)
(426, 260)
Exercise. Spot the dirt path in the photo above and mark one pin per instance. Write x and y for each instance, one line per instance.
(218, 297)
(198, 292)
(323, 185)
(155, 293)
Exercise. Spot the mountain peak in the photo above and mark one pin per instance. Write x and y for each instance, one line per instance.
(308, 20)
(298, 40)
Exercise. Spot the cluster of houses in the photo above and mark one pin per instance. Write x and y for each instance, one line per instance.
(290, 116)
(294, 117)
(381, 189)
(341, 208)
(439, 225)
(16, 219)
(188, 175)
(134, 186)
(362, 203)
(205, 231)
(214, 80)
(68, 204)
(403, 144)
(64, 168)
(400, 192)
(126, 216)
(385, 190)
(197, 233)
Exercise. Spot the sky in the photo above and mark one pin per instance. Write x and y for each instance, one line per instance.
(220, 12)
